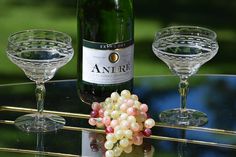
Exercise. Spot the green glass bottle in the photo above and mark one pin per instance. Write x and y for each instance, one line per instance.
(105, 48)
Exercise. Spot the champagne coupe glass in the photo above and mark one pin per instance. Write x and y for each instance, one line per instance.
(39, 53)
(184, 49)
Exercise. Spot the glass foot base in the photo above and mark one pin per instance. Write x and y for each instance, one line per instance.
(189, 117)
(39, 122)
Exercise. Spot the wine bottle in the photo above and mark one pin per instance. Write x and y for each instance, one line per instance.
(105, 48)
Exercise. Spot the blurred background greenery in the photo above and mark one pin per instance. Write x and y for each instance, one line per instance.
(150, 16)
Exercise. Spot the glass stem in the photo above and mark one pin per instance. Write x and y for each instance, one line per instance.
(40, 145)
(183, 90)
(40, 92)
(40, 142)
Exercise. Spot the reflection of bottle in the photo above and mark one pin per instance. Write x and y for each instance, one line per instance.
(145, 150)
(92, 144)
(105, 48)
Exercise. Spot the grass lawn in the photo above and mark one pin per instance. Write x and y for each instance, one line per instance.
(16, 18)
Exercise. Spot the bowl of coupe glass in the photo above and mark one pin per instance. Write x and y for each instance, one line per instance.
(125, 120)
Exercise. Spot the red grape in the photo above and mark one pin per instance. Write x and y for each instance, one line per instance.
(147, 132)
(109, 129)
(94, 114)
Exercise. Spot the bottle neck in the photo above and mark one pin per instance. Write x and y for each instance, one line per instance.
(110, 21)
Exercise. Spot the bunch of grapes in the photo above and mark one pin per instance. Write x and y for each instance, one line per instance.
(125, 120)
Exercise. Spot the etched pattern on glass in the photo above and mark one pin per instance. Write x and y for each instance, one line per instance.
(184, 49)
(39, 53)
(185, 54)
(39, 58)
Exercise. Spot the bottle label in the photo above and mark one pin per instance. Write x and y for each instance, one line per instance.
(107, 63)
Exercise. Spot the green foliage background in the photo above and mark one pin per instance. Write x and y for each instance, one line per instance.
(150, 16)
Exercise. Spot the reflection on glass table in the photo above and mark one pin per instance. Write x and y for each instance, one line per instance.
(214, 95)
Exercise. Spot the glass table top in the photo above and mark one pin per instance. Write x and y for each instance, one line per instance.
(213, 94)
